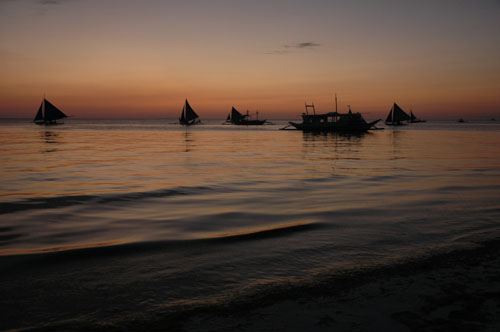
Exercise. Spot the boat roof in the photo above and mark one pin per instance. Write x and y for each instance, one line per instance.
(326, 114)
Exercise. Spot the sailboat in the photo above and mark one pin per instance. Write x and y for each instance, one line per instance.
(237, 118)
(48, 114)
(188, 115)
(396, 116)
(414, 119)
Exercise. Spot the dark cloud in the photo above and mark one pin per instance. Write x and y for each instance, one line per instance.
(289, 48)
(42, 2)
(307, 45)
(52, 2)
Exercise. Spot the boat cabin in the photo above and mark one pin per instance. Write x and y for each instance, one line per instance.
(330, 117)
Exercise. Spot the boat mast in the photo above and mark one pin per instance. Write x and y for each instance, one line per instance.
(43, 107)
(311, 106)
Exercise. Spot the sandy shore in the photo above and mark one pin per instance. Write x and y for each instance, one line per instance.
(457, 291)
(454, 291)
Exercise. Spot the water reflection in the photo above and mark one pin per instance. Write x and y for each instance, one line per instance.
(330, 136)
(337, 141)
(51, 139)
(188, 139)
(332, 153)
(398, 138)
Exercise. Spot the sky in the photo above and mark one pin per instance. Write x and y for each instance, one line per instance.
(142, 59)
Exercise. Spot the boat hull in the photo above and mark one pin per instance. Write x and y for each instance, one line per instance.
(249, 122)
(48, 123)
(396, 123)
(334, 127)
(190, 123)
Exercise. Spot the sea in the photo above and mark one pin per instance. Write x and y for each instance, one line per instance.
(112, 224)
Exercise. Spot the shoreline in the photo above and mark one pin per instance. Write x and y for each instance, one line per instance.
(453, 291)
(456, 290)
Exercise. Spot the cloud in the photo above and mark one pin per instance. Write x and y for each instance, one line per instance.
(307, 45)
(42, 2)
(51, 2)
(290, 48)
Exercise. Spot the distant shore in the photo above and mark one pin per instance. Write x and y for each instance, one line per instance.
(456, 291)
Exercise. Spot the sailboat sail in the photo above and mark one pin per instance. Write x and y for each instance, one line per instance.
(182, 119)
(396, 116)
(48, 113)
(412, 116)
(235, 115)
(389, 117)
(399, 114)
(39, 114)
(188, 115)
(52, 113)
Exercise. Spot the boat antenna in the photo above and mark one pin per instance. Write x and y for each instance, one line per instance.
(335, 102)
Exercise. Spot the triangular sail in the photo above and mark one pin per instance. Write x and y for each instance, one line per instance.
(182, 119)
(190, 113)
(389, 117)
(39, 114)
(228, 117)
(235, 115)
(52, 113)
(412, 116)
(399, 115)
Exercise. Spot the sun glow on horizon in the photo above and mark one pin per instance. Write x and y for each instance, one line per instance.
(125, 60)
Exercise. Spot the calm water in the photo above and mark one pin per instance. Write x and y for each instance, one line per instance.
(114, 221)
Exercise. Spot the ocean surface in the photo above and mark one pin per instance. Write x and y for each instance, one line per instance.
(106, 224)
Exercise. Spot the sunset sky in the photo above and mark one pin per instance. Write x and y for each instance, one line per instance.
(123, 58)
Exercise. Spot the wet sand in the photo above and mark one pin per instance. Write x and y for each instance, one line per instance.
(456, 291)
(451, 291)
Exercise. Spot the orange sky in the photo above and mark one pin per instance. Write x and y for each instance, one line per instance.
(142, 59)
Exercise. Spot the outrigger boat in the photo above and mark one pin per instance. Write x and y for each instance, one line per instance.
(333, 121)
(48, 114)
(188, 115)
(237, 118)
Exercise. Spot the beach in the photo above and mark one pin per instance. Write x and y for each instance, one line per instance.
(456, 291)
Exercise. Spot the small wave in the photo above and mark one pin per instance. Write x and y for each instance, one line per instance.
(89, 250)
(275, 231)
(70, 200)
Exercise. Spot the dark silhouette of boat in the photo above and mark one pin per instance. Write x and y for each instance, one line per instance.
(48, 114)
(333, 121)
(188, 115)
(237, 118)
(461, 120)
(414, 119)
(397, 117)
